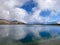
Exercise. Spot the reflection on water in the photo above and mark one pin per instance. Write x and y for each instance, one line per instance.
(16, 34)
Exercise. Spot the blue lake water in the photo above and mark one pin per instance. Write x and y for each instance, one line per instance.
(18, 34)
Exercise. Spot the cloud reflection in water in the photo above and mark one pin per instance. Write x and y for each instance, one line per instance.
(20, 32)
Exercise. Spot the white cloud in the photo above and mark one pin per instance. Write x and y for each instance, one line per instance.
(48, 4)
(53, 5)
(18, 14)
(9, 9)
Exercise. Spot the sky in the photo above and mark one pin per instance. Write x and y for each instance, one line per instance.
(30, 11)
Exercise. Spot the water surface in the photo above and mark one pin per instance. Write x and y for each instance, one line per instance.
(21, 34)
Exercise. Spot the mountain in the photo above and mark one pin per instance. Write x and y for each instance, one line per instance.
(42, 23)
(16, 22)
(3, 21)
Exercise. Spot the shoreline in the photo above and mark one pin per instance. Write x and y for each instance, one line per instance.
(33, 24)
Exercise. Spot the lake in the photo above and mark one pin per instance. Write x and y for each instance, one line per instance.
(29, 35)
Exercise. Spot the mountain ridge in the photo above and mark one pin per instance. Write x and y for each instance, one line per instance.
(3, 21)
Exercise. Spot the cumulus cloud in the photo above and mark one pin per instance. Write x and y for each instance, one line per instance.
(9, 9)
(52, 5)
(18, 14)
(48, 4)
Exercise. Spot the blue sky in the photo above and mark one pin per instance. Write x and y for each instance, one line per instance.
(44, 13)
(30, 11)
(29, 5)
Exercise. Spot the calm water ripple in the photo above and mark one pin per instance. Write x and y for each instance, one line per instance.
(21, 34)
